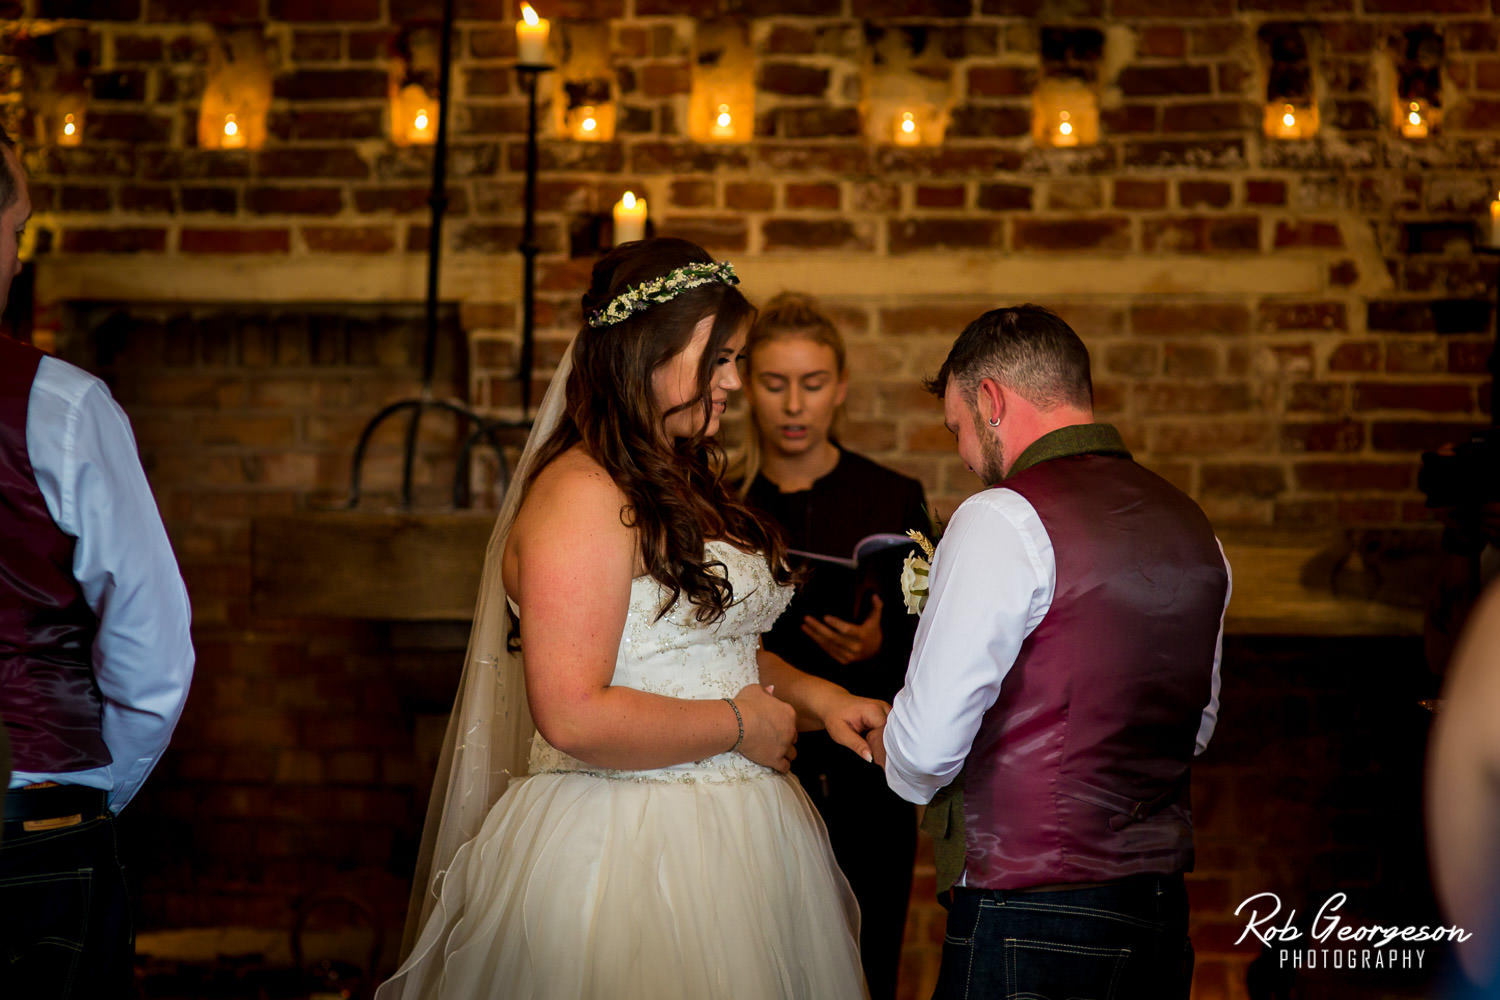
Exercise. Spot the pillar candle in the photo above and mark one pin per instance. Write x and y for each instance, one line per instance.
(630, 218)
(531, 37)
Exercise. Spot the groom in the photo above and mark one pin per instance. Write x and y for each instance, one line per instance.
(1065, 674)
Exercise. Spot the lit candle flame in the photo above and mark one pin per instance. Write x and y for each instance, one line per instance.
(230, 127)
(907, 123)
(421, 120)
(723, 118)
(629, 200)
(68, 127)
(1288, 119)
(1415, 117)
(529, 15)
(589, 124)
(1065, 128)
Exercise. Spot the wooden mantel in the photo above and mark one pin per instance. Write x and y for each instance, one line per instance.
(425, 567)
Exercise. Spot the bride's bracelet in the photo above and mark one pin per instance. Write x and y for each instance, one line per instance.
(739, 721)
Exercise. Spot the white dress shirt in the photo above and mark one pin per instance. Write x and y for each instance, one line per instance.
(991, 584)
(84, 457)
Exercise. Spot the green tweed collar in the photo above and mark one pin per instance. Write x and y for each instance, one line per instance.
(1077, 439)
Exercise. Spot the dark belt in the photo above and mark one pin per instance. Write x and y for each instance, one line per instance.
(55, 802)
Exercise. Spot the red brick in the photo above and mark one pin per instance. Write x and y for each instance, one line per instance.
(1295, 514)
(1161, 42)
(949, 161)
(128, 126)
(235, 241)
(294, 201)
(1367, 510)
(1217, 39)
(1158, 399)
(1001, 81)
(1129, 119)
(331, 161)
(225, 12)
(665, 79)
(793, 79)
(1332, 477)
(317, 46)
(693, 193)
(1425, 8)
(1415, 436)
(1265, 192)
(716, 233)
(1487, 74)
(1209, 116)
(1200, 437)
(1355, 356)
(134, 198)
(1415, 356)
(942, 196)
(1476, 115)
(363, 123)
(127, 239)
(1140, 194)
(877, 9)
(1468, 358)
(1283, 316)
(1302, 233)
(1430, 397)
(686, 158)
(489, 238)
(1172, 8)
(84, 198)
(1317, 397)
(223, 200)
(816, 122)
(1201, 154)
(488, 81)
(1085, 233)
(332, 84)
(786, 40)
(402, 200)
(985, 121)
(1189, 361)
(1164, 81)
(1214, 194)
(89, 10)
(749, 196)
(811, 196)
(803, 234)
(325, 10)
(1190, 318)
(1242, 479)
(912, 235)
(349, 239)
(1341, 436)
(1004, 197)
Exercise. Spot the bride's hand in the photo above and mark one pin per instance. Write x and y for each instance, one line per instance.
(847, 716)
(770, 728)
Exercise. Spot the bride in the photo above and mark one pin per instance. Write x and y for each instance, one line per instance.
(657, 848)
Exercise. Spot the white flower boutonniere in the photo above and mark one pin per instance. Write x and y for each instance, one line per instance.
(914, 573)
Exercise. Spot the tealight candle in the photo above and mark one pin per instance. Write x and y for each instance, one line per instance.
(1415, 126)
(723, 127)
(1495, 221)
(70, 134)
(1288, 127)
(630, 218)
(531, 37)
(587, 124)
(907, 132)
(1066, 134)
(234, 136)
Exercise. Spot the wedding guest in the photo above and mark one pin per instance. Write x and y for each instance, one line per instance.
(826, 498)
(1065, 674)
(95, 656)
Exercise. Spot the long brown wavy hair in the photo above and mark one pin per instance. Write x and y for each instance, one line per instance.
(676, 494)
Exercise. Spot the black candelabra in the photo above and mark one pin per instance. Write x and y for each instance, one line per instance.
(483, 429)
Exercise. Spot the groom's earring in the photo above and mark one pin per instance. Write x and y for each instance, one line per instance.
(995, 422)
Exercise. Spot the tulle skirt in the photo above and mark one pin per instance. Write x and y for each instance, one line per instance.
(583, 886)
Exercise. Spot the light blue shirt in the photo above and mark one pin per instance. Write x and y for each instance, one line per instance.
(84, 457)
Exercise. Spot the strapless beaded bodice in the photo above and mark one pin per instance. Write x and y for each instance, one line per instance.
(678, 656)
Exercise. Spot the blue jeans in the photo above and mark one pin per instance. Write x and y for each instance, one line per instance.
(1126, 940)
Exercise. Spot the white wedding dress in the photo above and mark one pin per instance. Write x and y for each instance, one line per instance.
(711, 879)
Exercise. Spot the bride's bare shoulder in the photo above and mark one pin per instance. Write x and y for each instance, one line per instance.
(573, 493)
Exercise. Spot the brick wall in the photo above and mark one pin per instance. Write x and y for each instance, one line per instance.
(1279, 327)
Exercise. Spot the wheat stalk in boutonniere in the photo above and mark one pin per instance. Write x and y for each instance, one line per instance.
(915, 570)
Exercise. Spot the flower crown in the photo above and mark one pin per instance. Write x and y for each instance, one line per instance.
(664, 289)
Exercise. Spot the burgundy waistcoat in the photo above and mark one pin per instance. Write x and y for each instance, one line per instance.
(48, 699)
(1098, 716)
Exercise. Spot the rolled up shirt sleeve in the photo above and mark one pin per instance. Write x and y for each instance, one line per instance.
(991, 584)
(86, 465)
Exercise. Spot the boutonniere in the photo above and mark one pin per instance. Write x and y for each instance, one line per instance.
(916, 569)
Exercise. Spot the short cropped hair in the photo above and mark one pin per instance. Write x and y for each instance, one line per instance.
(1027, 349)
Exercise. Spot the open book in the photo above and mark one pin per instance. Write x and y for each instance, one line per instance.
(848, 582)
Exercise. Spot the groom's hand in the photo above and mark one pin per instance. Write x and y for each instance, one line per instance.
(848, 716)
(876, 739)
(847, 642)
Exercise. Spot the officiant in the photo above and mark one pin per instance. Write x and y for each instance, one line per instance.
(846, 625)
